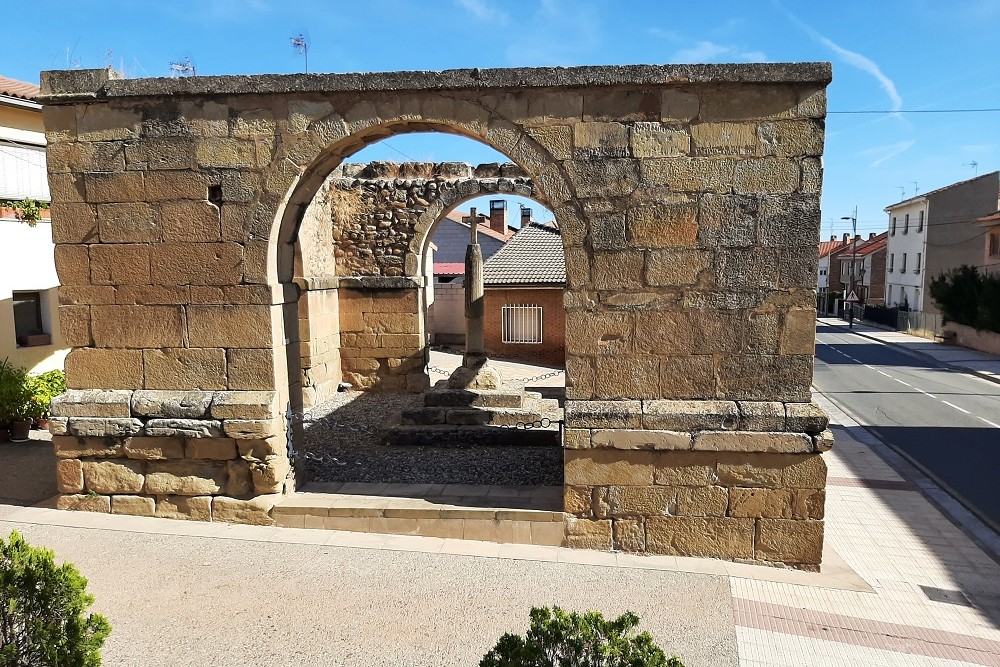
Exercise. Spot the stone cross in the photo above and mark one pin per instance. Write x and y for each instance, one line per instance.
(474, 346)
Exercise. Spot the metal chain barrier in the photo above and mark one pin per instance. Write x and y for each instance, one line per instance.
(543, 376)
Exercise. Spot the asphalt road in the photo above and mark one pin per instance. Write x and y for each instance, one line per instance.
(945, 421)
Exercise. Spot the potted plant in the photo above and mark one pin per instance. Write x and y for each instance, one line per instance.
(44, 387)
(15, 401)
(28, 211)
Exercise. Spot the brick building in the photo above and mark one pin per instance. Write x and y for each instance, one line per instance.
(524, 283)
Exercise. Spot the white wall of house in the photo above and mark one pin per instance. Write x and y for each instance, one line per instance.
(27, 266)
(906, 253)
(446, 314)
(823, 274)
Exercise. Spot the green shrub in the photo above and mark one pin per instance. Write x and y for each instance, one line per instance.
(44, 387)
(967, 296)
(560, 639)
(42, 611)
(15, 395)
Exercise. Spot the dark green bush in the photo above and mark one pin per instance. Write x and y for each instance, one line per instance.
(560, 639)
(967, 296)
(43, 620)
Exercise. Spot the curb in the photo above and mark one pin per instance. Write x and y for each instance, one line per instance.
(985, 375)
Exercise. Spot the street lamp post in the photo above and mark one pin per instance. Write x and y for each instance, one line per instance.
(854, 258)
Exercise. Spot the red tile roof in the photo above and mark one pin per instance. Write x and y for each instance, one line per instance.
(826, 247)
(449, 268)
(15, 88)
(874, 245)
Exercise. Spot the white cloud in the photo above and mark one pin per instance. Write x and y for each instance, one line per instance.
(706, 52)
(560, 32)
(483, 11)
(887, 152)
(852, 58)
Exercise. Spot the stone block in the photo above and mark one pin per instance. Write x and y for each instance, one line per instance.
(685, 468)
(185, 369)
(121, 264)
(600, 139)
(154, 449)
(621, 270)
(601, 333)
(556, 139)
(74, 325)
(678, 105)
(184, 428)
(261, 449)
(171, 404)
(611, 177)
(185, 478)
(711, 537)
(73, 264)
(753, 470)
(253, 429)
(764, 377)
(690, 415)
(663, 332)
(112, 477)
(687, 377)
(604, 467)
(806, 418)
(134, 222)
(695, 175)
(164, 185)
(137, 326)
(726, 139)
(749, 441)
(256, 511)
(103, 427)
(196, 508)
(789, 541)
(230, 326)
(218, 449)
(250, 369)
(626, 377)
(798, 336)
(658, 225)
(603, 414)
(607, 231)
(86, 295)
(59, 425)
(640, 439)
(238, 480)
(760, 503)
(792, 138)
(761, 416)
(91, 403)
(766, 176)
(134, 505)
(73, 222)
(69, 476)
(588, 534)
(84, 503)
(805, 472)
(823, 442)
(702, 501)
(196, 221)
(245, 405)
(576, 500)
(72, 447)
(641, 500)
(197, 263)
(653, 140)
(629, 535)
(749, 101)
(119, 187)
(269, 475)
(679, 267)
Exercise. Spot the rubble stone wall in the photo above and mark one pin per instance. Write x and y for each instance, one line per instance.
(687, 198)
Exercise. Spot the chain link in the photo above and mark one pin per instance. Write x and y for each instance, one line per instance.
(543, 376)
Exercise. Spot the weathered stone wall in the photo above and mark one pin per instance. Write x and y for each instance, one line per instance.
(687, 199)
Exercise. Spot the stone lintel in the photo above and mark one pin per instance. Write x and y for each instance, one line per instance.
(92, 403)
(762, 442)
(690, 415)
(66, 86)
(603, 414)
(381, 282)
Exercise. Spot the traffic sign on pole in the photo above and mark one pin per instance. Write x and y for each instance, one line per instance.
(852, 298)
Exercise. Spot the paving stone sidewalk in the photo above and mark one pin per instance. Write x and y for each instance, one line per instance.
(901, 585)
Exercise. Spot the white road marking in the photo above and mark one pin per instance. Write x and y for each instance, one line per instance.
(952, 405)
(884, 373)
(925, 393)
(987, 421)
(901, 382)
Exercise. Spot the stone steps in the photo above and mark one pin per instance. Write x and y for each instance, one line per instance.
(481, 398)
(511, 514)
(533, 409)
(446, 435)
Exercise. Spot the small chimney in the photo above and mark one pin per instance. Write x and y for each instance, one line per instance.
(833, 237)
(498, 215)
(846, 237)
(525, 216)
(871, 235)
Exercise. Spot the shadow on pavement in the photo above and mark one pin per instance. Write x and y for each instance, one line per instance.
(27, 472)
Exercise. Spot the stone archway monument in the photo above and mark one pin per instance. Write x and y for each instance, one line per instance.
(688, 203)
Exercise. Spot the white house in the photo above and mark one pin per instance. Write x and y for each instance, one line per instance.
(29, 322)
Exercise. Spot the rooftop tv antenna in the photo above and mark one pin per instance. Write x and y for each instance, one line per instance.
(301, 44)
(186, 68)
(974, 165)
(902, 191)
(916, 188)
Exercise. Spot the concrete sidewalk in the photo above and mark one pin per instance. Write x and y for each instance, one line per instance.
(901, 585)
(963, 359)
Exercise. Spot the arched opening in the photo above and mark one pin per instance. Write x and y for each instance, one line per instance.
(362, 260)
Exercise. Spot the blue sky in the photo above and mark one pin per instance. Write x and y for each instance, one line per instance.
(886, 54)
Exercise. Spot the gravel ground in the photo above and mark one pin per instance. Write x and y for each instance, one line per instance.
(184, 600)
(347, 435)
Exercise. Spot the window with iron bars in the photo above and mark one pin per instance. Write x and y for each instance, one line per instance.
(521, 324)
